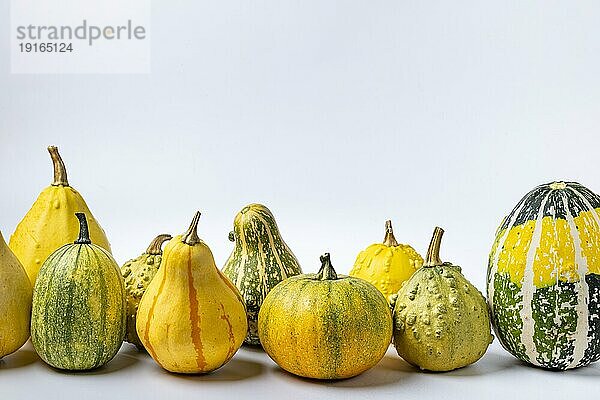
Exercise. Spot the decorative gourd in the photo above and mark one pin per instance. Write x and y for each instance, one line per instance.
(543, 282)
(138, 273)
(441, 320)
(15, 302)
(49, 223)
(78, 314)
(387, 265)
(259, 260)
(192, 318)
(325, 326)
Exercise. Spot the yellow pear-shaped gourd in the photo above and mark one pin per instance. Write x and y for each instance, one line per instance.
(15, 302)
(49, 223)
(191, 318)
(387, 265)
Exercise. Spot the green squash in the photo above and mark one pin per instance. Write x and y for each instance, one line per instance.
(78, 313)
(259, 260)
(543, 282)
(138, 273)
(441, 320)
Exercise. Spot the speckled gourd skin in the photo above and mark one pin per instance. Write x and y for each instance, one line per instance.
(441, 320)
(15, 302)
(325, 329)
(138, 273)
(78, 314)
(543, 280)
(259, 261)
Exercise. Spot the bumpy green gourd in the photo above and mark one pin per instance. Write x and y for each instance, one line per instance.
(78, 313)
(259, 260)
(138, 273)
(441, 320)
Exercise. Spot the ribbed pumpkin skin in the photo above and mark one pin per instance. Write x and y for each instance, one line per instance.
(78, 315)
(325, 329)
(49, 224)
(15, 302)
(259, 261)
(191, 319)
(544, 277)
(386, 267)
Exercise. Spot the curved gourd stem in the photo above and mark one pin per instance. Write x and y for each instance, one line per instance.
(84, 233)
(389, 239)
(326, 272)
(433, 253)
(190, 237)
(155, 246)
(60, 172)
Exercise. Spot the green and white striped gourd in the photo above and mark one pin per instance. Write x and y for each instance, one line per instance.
(543, 282)
(78, 313)
(259, 260)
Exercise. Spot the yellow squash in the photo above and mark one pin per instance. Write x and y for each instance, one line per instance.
(387, 265)
(15, 302)
(325, 326)
(191, 318)
(49, 223)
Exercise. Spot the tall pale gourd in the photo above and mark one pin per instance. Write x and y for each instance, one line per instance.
(49, 223)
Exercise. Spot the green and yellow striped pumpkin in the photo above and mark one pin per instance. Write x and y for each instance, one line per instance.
(544, 277)
(78, 313)
(259, 260)
(325, 325)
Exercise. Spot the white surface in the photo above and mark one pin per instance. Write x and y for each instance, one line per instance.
(337, 115)
(252, 375)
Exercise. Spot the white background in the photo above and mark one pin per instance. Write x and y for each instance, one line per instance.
(102, 56)
(337, 115)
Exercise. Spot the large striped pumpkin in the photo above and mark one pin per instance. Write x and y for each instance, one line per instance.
(544, 277)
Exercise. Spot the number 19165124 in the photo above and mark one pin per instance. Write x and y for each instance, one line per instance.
(46, 47)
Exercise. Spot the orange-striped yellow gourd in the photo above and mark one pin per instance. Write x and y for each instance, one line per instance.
(191, 318)
(49, 223)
